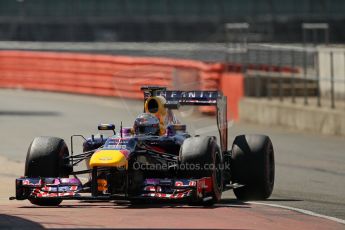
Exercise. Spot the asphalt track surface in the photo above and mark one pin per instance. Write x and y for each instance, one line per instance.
(310, 168)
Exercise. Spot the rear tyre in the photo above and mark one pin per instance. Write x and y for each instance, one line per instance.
(253, 166)
(46, 158)
(203, 151)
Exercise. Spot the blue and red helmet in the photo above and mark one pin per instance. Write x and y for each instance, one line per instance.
(146, 124)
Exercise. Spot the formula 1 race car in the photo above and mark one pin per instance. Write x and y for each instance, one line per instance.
(155, 159)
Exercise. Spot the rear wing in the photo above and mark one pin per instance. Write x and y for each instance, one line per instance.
(175, 98)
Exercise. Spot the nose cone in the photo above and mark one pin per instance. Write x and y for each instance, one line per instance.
(108, 158)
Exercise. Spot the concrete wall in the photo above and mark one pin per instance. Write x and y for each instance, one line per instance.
(296, 117)
(325, 69)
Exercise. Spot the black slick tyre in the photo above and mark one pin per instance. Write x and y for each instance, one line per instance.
(46, 158)
(204, 154)
(252, 165)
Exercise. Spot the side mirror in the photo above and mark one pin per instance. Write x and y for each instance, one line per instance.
(107, 127)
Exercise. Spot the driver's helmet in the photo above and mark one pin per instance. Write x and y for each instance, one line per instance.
(147, 124)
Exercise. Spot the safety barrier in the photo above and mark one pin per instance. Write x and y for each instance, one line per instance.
(106, 75)
(232, 85)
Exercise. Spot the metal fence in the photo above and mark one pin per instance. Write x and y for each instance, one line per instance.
(308, 71)
(309, 75)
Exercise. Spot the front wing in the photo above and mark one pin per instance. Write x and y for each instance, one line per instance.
(152, 188)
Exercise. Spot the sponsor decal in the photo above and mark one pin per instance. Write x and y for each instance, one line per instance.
(105, 158)
(32, 182)
(168, 195)
(178, 183)
(189, 94)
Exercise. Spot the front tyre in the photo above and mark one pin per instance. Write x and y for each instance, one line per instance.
(46, 157)
(253, 166)
(205, 152)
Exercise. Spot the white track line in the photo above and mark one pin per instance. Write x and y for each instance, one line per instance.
(310, 213)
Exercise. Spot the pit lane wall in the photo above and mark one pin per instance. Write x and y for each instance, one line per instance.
(117, 76)
(296, 117)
